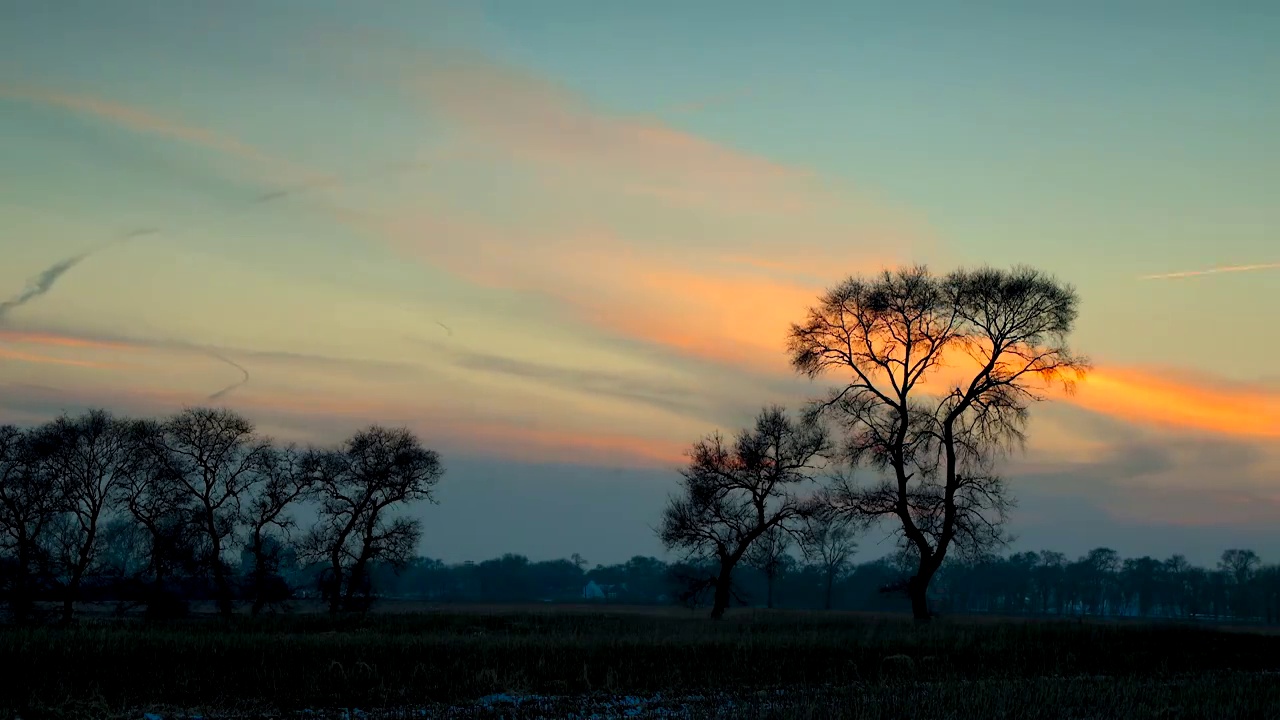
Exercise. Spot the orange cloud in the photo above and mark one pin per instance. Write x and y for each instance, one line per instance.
(50, 360)
(67, 341)
(1182, 401)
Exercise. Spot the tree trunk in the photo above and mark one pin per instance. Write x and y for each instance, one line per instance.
(721, 603)
(918, 592)
(831, 582)
(335, 586)
(221, 584)
(81, 567)
(259, 573)
(69, 599)
(21, 604)
(769, 598)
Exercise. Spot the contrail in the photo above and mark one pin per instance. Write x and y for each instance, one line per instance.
(1212, 271)
(44, 282)
(226, 390)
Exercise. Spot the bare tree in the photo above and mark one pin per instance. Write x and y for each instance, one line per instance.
(733, 494)
(213, 455)
(768, 554)
(373, 472)
(284, 480)
(30, 502)
(1240, 566)
(828, 542)
(890, 335)
(161, 507)
(91, 456)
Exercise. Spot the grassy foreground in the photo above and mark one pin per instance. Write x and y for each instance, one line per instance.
(552, 663)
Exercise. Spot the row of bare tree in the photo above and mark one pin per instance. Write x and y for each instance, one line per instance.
(193, 488)
(937, 374)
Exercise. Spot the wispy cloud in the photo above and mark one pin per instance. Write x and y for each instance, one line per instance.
(764, 242)
(677, 398)
(506, 112)
(44, 281)
(1212, 271)
(115, 343)
(143, 120)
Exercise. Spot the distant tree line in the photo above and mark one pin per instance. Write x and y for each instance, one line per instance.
(199, 506)
(1099, 584)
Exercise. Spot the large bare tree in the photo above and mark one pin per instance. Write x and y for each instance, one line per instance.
(731, 494)
(374, 472)
(212, 455)
(938, 374)
(91, 457)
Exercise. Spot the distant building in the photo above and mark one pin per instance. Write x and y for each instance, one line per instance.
(596, 591)
(592, 591)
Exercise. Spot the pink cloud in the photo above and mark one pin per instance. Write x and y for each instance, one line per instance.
(515, 116)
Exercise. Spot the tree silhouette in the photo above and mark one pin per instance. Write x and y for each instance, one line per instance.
(157, 502)
(213, 456)
(829, 543)
(373, 472)
(283, 480)
(29, 503)
(1240, 566)
(894, 333)
(768, 554)
(733, 494)
(91, 457)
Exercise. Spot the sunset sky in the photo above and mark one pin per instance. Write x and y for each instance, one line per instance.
(563, 240)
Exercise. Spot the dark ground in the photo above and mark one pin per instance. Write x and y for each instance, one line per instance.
(589, 661)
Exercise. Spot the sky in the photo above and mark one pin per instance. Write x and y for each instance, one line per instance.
(564, 240)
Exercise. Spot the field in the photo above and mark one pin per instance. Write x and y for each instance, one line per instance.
(556, 662)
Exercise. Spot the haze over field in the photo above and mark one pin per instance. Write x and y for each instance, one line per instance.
(563, 240)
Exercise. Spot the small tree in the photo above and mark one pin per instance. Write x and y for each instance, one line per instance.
(935, 438)
(733, 494)
(371, 474)
(828, 542)
(768, 554)
(1240, 566)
